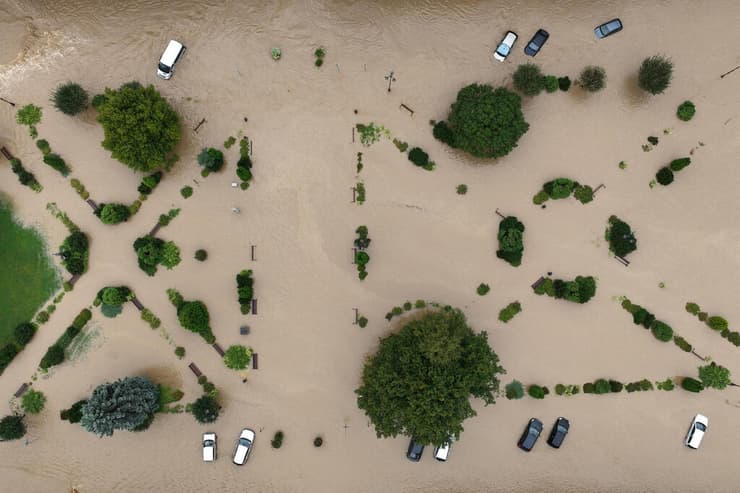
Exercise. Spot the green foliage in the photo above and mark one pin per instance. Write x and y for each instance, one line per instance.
(29, 115)
(514, 390)
(580, 290)
(509, 311)
(584, 194)
(588, 388)
(54, 356)
(7, 353)
(277, 439)
(114, 296)
(360, 187)
(528, 79)
(276, 53)
(667, 384)
(140, 127)
(152, 251)
(400, 145)
(444, 133)
(540, 198)
(362, 322)
(25, 177)
(98, 100)
(664, 176)
(592, 78)
(564, 83)
(318, 442)
(653, 140)
(662, 331)
(691, 384)
(682, 343)
(420, 158)
(371, 133)
(686, 111)
(615, 386)
(148, 316)
(483, 289)
(560, 389)
(201, 255)
(74, 413)
(170, 255)
(229, 142)
(114, 213)
(655, 74)
(43, 146)
(702, 316)
(70, 98)
(420, 380)
(245, 289)
(462, 189)
(715, 376)
(23, 333)
(180, 352)
(679, 164)
(511, 240)
(175, 298)
(211, 159)
(621, 239)
(601, 386)
(487, 122)
(237, 357)
(121, 405)
(536, 391)
(186, 192)
(717, 323)
(12, 427)
(559, 188)
(56, 162)
(33, 401)
(193, 316)
(205, 409)
(149, 183)
(551, 83)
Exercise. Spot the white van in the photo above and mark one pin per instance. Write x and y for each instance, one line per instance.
(170, 57)
(441, 453)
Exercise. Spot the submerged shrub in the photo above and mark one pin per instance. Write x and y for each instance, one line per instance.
(564, 83)
(483, 289)
(621, 239)
(509, 311)
(685, 111)
(528, 79)
(691, 384)
(419, 157)
(662, 331)
(584, 194)
(443, 133)
(536, 391)
(514, 390)
(655, 74)
(592, 78)
(664, 176)
(211, 159)
(70, 98)
(717, 323)
(679, 164)
(551, 83)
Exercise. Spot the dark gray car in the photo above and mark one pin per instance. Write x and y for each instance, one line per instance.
(531, 434)
(415, 450)
(535, 44)
(558, 433)
(608, 28)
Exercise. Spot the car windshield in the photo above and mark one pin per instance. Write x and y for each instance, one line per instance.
(164, 68)
(245, 442)
(700, 426)
(208, 443)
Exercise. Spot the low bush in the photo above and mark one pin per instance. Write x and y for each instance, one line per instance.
(98, 100)
(201, 255)
(692, 308)
(318, 442)
(717, 323)
(615, 386)
(180, 352)
(621, 239)
(148, 316)
(691, 384)
(74, 413)
(588, 388)
(662, 331)
(528, 79)
(580, 290)
(194, 316)
(186, 192)
(564, 83)
(362, 322)
(584, 194)
(655, 74)
(702, 316)
(43, 146)
(70, 98)
(592, 78)
(114, 213)
(536, 391)
(277, 439)
(551, 83)
(245, 289)
(33, 401)
(211, 159)
(462, 189)
(560, 389)
(54, 356)
(12, 427)
(7, 353)
(237, 357)
(679, 164)
(82, 318)
(682, 343)
(664, 176)
(56, 162)
(149, 183)
(483, 289)
(514, 390)
(420, 158)
(686, 111)
(667, 384)
(540, 198)
(205, 409)
(601, 386)
(444, 133)
(510, 311)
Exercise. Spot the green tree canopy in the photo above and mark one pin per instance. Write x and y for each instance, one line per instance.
(33, 401)
(714, 375)
(140, 127)
(205, 409)
(122, 405)
(655, 74)
(487, 122)
(421, 378)
(12, 427)
(237, 357)
(70, 98)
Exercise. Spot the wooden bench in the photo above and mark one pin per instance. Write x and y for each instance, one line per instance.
(92, 204)
(538, 282)
(21, 390)
(244, 330)
(218, 349)
(254, 361)
(195, 369)
(137, 303)
(6, 153)
(254, 306)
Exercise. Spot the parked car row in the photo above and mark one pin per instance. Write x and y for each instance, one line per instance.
(241, 452)
(541, 36)
(534, 429)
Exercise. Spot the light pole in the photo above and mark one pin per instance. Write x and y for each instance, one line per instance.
(390, 80)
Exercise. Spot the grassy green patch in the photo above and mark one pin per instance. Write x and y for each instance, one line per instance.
(27, 276)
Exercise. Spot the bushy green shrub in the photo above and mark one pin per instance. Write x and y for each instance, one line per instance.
(180, 352)
(685, 111)
(12, 427)
(559, 188)
(98, 100)
(551, 83)
(615, 386)
(444, 133)
(74, 413)
(193, 316)
(206, 409)
(528, 79)
(560, 389)
(511, 240)
(692, 308)
(662, 331)
(592, 78)
(482, 289)
(114, 213)
(54, 356)
(148, 316)
(318, 442)
(702, 316)
(621, 239)
(23, 333)
(211, 159)
(666, 384)
(691, 384)
(149, 183)
(508, 312)
(682, 343)
(601, 386)
(588, 388)
(56, 162)
(714, 376)
(536, 391)
(201, 255)
(70, 98)
(717, 323)
(420, 158)
(514, 390)
(29, 115)
(33, 401)
(7, 353)
(43, 146)
(584, 194)
(186, 192)
(564, 83)
(664, 176)
(277, 439)
(540, 198)
(680, 163)
(237, 357)
(655, 74)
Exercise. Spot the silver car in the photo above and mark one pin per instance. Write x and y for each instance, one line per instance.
(504, 48)
(243, 447)
(608, 28)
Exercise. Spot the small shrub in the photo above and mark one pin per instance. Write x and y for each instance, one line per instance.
(662, 331)
(43, 146)
(667, 384)
(70, 98)
(276, 53)
(692, 308)
(679, 164)
(462, 189)
(205, 409)
(564, 83)
(33, 401)
(420, 304)
(560, 389)
(229, 142)
(540, 198)
(508, 312)
(362, 322)
(551, 83)
(444, 133)
(664, 176)
(12, 427)
(74, 413)
(419, 157)
(277, 439)
(201, 255)
(483, 289)
(514, 390)
(56, 162)
(536, 391)
(211, 159)
(237, 357)
(691, 384)
(98, 100)
(702, 316)
(29, 115)
(186, 192)
(601, 386)
(54, 356)
(621, 239)
(615, 386)
(653, 140)
(23, 333)
(592, 78)
(318, 442)
(114, 213)
(682, 343)
(180, 352)
(655, 74)
(528, 79)
(588, 388)
(584, 194)
(717, 323)
(685, 111)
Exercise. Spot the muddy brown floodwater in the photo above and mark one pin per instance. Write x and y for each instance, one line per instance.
(428, 242)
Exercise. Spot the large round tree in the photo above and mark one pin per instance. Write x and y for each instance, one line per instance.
(141, 129)
(122, 405)
(486, 122)
(420, 381)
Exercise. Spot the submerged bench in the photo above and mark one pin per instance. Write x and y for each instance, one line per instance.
(21, 390)
(137, 303)
(244, 330)
(218, 349)
(538, 282)
(254, 361)
(195, 369)
(6, 153)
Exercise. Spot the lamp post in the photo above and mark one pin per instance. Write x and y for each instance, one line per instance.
(390, 80)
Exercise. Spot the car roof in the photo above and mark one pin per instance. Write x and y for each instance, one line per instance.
(209, 436)
(701, 419)
(510, 37)
(170, 53)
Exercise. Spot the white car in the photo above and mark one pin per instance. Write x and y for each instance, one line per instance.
(209, 447)
(169, 59)
(504, 48)
(243, 447)
(441, 453)
(696, 431)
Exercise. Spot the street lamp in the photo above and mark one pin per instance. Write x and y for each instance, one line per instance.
(390, 80)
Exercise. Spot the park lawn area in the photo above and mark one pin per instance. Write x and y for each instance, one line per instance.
(27, 275)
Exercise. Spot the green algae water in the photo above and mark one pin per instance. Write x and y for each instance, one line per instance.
(27, 276)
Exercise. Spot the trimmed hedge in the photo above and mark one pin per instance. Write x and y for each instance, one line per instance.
(511, 240)
(692, 385)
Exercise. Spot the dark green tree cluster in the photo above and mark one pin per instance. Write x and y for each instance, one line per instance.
(26, 178)
(714, 376)
(113, 213)
(361, 257)
(70, 98)
(56, 162)
(655, 74)
(420, 158)
(621, 239)
(211, 159)
(244, 165)
(140, 127)
(12, 427)
(152, 251)
(112, 298)
(74, 413)
(245, 290)
(484, 121)
(420, 380)
(580, 290)
(661, 330)
(562, 188)
(603, 386)
(665, 175)
(511, 240)
(592, 78)
(686, 111)
(205, 409)
(126, 404)
(193, 315)
(149, 183)
(22, 335)
(55, 353)
(692, 385)
(74, 252)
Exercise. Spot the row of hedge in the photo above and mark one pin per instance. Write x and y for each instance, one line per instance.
(407, 307)
(714, 322)
(510, 240)
(529, 80)
(55, 353)
(516, 390)
(26, 178)
(361, 256)
(509, 311)
(192, 315)
(661, 330)
(244, 165)
(562, 188)
(580, 290)
(664, 176)
(51, 159)
(620, 237)
(245, 290)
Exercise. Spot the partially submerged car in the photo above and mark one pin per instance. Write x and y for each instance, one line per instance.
(696, 431)
(243, 447)
(169, 59)
(505, 46)
(608, 28)
(559, 431)
(441, 453)
(535, 44)
(530, 435)
(414, 451)
(209, 447)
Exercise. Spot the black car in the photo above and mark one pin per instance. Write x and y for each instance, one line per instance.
(535, 44)
(530, 435)
(415, 450)
(558, 433)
